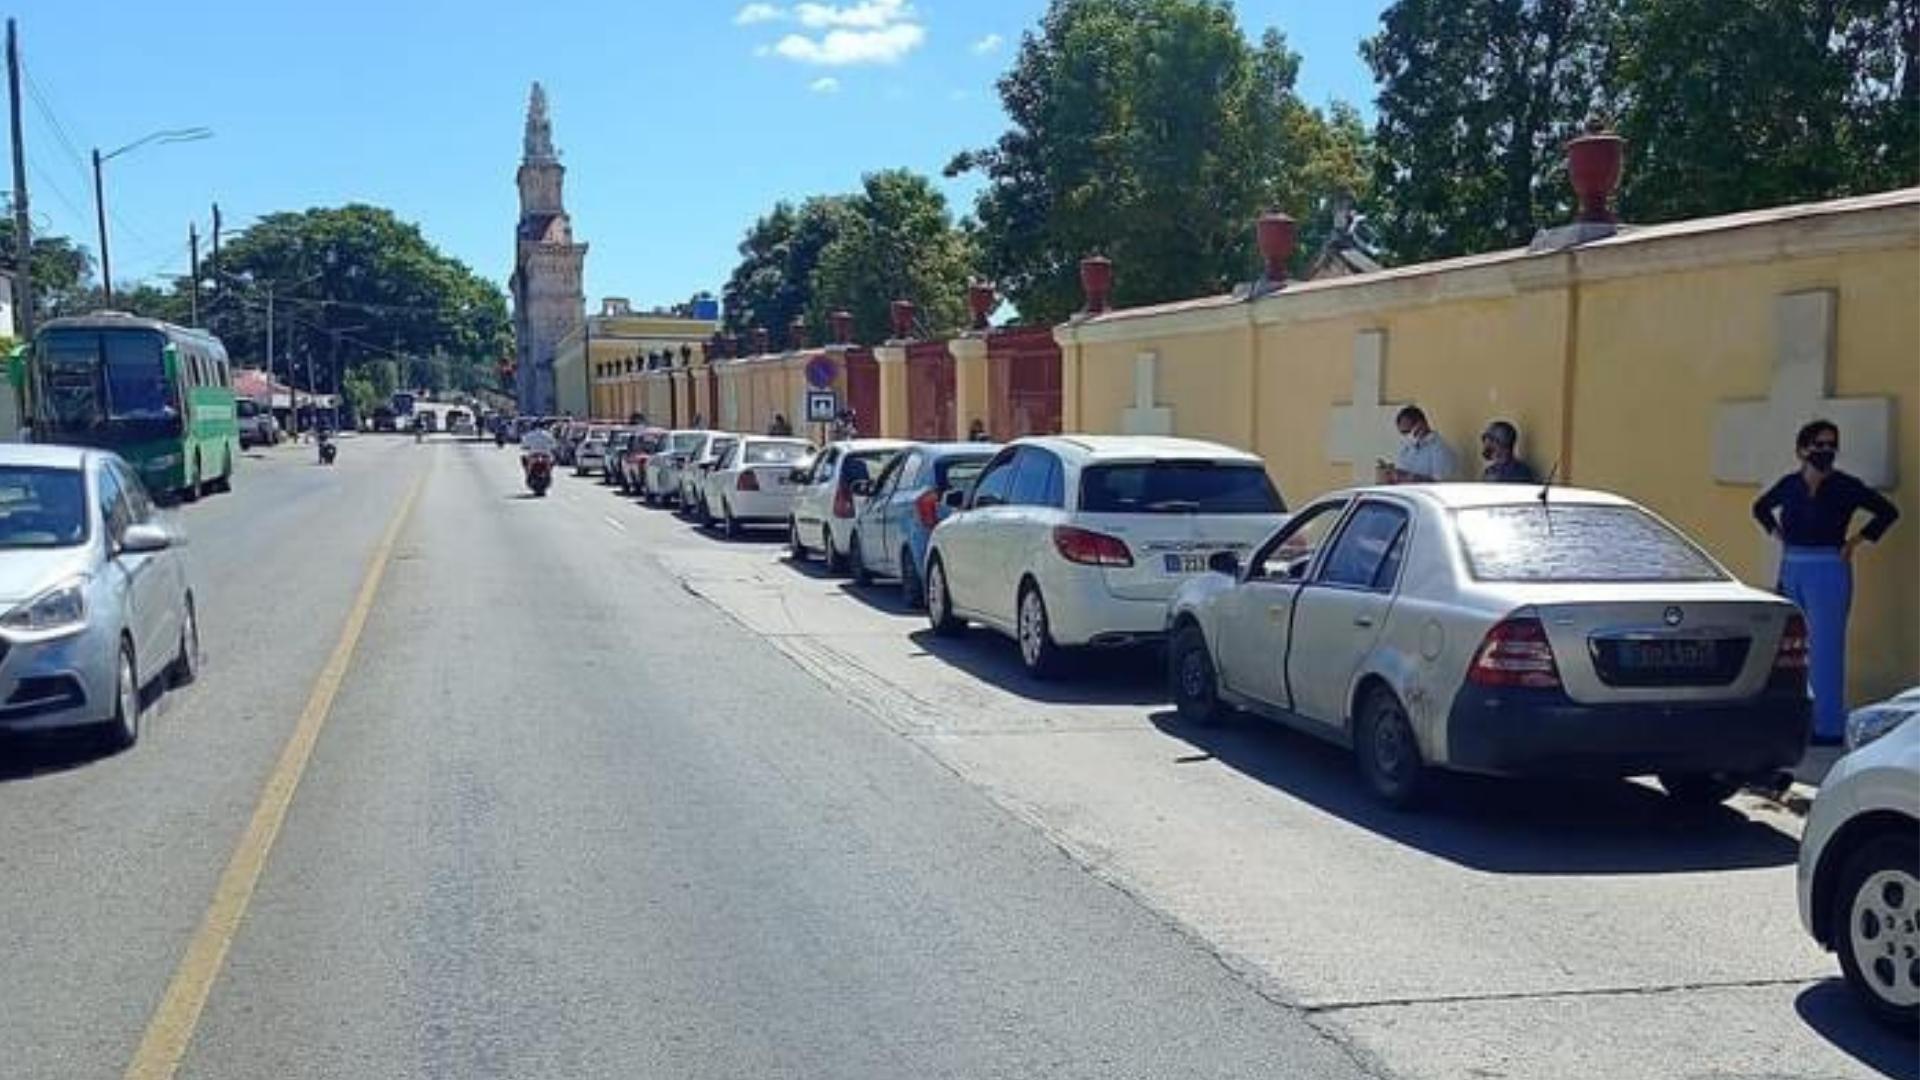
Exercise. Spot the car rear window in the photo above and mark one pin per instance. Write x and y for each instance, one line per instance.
(766, 453)
(686, 441)
(1547, 542)
(865, 464)
(1178, 487)
(961, 473)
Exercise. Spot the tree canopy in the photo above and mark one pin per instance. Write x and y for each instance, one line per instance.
(62, 273)
(774, 280)
(898, 242)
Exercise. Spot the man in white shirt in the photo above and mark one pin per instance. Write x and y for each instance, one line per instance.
(1424, 457)
(537, 441)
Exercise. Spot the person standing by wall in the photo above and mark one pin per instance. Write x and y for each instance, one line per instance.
(1424, 457)
(1811, 511)
(1497, 445)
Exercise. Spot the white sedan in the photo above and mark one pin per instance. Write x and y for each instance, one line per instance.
(752, 484)
(825, 505)
(1499, 629)
(662, 483)
(1074, 540)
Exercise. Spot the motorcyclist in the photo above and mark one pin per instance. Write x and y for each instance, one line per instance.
(499, 432)
(537, 440)
(420, 427)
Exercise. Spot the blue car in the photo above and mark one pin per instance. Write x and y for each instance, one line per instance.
(902, 506)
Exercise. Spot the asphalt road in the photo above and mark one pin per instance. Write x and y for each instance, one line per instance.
(563, 819)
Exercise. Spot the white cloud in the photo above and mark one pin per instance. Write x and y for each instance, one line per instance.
(827, 85)
(840, 48)
(758, 13)
(865, 15)
(990, 43)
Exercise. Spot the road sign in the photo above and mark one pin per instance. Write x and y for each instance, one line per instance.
(821, 371)
(822, 406)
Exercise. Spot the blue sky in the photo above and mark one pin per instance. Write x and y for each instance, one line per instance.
(679, 120)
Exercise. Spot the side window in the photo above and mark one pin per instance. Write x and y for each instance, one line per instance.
(824, 471)
(138, 501)
(1292, 548)
(889, 479)
(910, 472)
(114, 510)
(1038, 474)
(996, 482)
(1364, 546)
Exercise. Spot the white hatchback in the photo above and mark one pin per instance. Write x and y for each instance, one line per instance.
(825, 505)
(663, 468)
(753, 484)
(1074, 540)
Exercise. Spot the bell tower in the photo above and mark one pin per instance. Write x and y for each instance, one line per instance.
(548, 297)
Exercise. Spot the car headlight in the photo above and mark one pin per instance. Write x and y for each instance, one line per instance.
(63, 607)
(1865, 725)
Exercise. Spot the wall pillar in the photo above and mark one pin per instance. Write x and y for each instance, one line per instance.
(892, 359)
(970, 384)
(1069, 379)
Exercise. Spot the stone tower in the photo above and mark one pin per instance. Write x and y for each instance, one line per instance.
(548, 301)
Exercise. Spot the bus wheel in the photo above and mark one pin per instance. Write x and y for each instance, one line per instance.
(192, 491)
(224, 482)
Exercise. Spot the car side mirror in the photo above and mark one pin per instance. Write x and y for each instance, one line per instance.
(1224, 562)
(862, 488)
(954, 500)
(144, 537)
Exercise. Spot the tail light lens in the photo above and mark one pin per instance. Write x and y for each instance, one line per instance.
(747, 481)
(842, 503)
(1790, 661)
(927, 507)
(1516, 653)
(1090, 548)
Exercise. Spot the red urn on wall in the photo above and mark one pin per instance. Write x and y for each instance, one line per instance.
(901, 312)
(797, 333)
(840, 324)
(1593, 164)
(980, 303)
(1096, 281)
(1275, 233)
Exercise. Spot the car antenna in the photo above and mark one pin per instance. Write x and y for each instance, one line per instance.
(1544, 488)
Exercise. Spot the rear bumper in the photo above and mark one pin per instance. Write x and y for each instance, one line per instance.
(1082, 611)
(1545, 732)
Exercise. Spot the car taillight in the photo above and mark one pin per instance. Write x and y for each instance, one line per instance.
(1516, 653)
(1090, 548)
(1790, 660)
(927, 507)
(842, 503)
(747, 481)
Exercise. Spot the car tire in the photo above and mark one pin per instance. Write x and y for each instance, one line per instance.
(940, 614)
(836, 562)
(796, 547)
(861, 575)
(1699, 789)
(186, 663)
(912, 592)
(1192, 681)
(1873, 924)
(729, 525)
(1034, 634)
(1387, 751)
(124, 729)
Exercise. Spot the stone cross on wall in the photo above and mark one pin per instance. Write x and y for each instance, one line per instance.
(1361, 433)
(1753, 440)
(1146, 417)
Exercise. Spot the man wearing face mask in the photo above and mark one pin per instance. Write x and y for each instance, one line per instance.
(1811, 511)
(1497, 444)
(1424, 456)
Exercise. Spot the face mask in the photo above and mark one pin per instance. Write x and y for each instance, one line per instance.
(1821, 460)
(1409, 438)
(1486, 453)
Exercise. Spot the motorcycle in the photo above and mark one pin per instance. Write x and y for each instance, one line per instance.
(328, 451)
(539, 470)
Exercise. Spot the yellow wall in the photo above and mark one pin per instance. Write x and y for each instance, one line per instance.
(1613, 360)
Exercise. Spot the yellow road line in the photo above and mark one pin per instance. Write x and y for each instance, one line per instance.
(171, 1029)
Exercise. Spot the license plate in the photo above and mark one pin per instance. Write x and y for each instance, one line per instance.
(1666, 655)
(1188, 563)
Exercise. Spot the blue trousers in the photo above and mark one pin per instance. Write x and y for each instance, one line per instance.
(1821, 582)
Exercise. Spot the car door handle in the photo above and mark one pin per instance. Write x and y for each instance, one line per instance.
(1276, 612)
(1363, 621)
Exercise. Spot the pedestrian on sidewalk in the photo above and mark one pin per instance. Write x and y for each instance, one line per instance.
(1811, 510)
(1424, 457)
(780, 425)
(1497, 445)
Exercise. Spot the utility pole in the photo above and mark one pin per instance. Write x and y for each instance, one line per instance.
(22, 226)
(216, 266)
(100, 211)
(270, 360)
(193, 264)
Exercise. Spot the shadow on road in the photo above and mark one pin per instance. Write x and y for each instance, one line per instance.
(1102, 677)
(24, 757)
(1829, 1008)
(1498, 825)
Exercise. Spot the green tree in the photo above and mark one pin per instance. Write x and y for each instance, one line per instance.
(773, 281)
(1151, 131)
(900, 242)
(62, 273)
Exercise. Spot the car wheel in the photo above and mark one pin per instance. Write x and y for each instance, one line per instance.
(1192, 681)
(796, 547)
(836, 562)
(186, 664)
(1038, 654)
(911, 592)
(940, 601)
(1388, 752)
(1699, 789)
(729, 525)
(861, 575)
(1876, 928)
(124, 729)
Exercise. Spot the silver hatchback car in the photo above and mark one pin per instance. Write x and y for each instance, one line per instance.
(95, 599)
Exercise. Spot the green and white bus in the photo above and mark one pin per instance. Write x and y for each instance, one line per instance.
(157, 394)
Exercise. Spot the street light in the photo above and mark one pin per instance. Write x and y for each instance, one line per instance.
(194, 134)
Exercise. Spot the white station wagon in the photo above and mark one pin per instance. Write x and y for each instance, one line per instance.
(1074, 540)
(1499, 629)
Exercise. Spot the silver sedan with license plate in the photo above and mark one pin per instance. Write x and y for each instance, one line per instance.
(1503, 630)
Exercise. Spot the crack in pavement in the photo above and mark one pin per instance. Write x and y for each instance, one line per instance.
(1652, 989)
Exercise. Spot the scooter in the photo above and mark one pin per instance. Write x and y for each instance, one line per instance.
(539, 470)
(328, 450)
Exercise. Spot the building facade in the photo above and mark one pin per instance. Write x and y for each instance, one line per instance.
(606, 367)
(548, 300)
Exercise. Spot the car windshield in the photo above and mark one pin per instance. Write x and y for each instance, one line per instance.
(41, 507)
(1179, 487)
(774, 453)
(1577, 543)
(961, 472)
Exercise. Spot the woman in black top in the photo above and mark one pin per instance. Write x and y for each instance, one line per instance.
(1811, 511)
